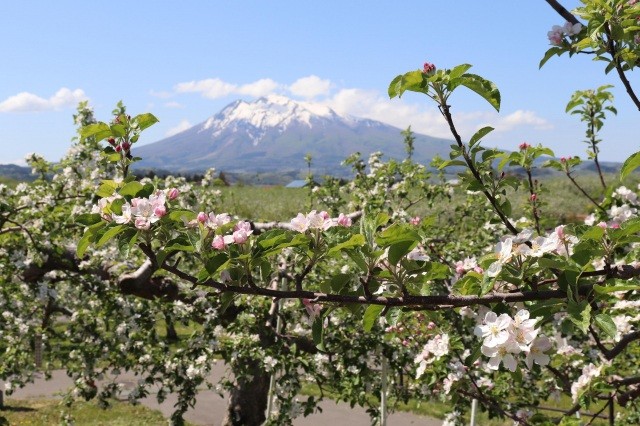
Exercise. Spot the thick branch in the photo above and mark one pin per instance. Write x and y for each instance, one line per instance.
(494, 203)
(611, 48)
(562, 11)
(437, 301)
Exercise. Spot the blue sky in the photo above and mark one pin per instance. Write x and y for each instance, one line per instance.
(184, 61)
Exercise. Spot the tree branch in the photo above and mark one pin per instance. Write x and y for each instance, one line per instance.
(562, 11)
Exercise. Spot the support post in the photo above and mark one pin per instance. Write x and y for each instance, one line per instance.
(383, 391)
(272, 380)
(37, 349)
(474, 408)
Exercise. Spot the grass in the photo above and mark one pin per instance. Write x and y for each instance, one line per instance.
(564, 203)
(11, 183)
(46, 412)
(439, 410)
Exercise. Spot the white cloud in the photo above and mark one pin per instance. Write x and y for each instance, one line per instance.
(160, 94)
(211, 88)
(173, 105)
(370, 104)
(28, 102)
(522, 118)
(310, 87)
(259, 88)
(423, 117)
(181, 127)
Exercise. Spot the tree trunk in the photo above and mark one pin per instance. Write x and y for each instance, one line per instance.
(172, 335)
(248, 401)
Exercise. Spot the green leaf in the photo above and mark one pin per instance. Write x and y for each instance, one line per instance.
(105, 190)
(145, 120)
(479, 135)
(370, 315)
(99, 131)
(458, 71)
(614, 288)
(317, 332)
(88, 218)
(412, 81)
(131, 189)
(549, 53)
(226, 300)
(487, 284)
(111, 232)
(216, 262)
(393, 316)
(468, 285)
(146, 190)
(397, 233)
(482, 87)
(580, 314)
(179, 215)
(117, 130)
(630, 165)
(606, 324)
(474, 356)
(398, 250)
(85, 241)
(356, 240)
(594, 233)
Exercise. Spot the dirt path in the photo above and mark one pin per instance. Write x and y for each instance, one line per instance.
(210, 406)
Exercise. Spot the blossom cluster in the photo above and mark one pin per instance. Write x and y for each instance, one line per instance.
(557, 33)
(435, 349)
(145, 211)
(504, 337)
(318, 220)
(240, 235)
(589, 372)
(523, 244)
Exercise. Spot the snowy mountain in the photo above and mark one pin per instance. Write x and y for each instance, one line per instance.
(274, 133)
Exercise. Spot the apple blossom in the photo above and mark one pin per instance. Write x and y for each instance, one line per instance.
(536, 352)
(218, 243)
(313, 309)
(344, 220)
(494, 329)
(504, 252)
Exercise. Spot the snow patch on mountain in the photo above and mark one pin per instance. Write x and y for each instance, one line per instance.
(267, 113)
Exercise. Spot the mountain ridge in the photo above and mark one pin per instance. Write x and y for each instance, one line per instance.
(275, 133)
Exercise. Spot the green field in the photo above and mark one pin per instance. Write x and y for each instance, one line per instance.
(564, 202)
(46, 412)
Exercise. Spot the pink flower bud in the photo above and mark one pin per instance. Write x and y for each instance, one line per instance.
(533, 197)
(563, 159)
(243, 226)
(118, 148)
(524, 146)
(126, 146)
(344, 220)
(602, 225)
(431, 325)
(240, 236)
(415, 220)
(173, 194)
(160, 210)
(111, 141)
(218, 243)
(202, 217)
(428, 68)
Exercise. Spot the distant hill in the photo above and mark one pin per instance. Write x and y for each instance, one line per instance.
(16, 172)
(273, 134)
